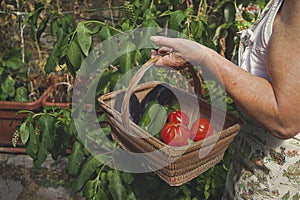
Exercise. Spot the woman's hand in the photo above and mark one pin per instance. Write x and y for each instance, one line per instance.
(171, 59)
(181, 53)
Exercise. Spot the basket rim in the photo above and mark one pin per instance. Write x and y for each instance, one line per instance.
(171, 156)
(148, 85)
(111, 112)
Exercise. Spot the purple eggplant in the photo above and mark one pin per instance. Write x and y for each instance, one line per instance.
(163, 94)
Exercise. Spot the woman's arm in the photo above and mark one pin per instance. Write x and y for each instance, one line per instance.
(275, 104)
(284, 68)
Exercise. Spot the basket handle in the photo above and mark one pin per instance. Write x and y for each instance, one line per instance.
(138, 76)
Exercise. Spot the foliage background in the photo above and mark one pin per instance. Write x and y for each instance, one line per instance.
(55, 35)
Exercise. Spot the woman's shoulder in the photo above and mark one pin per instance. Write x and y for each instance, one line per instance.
(289, 15)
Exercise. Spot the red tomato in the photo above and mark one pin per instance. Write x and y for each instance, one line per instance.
(175, 134)
(201, 128)
(179, 117)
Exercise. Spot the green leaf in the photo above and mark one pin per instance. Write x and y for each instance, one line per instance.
(144, 6)
(24, 132)
(176, 19)
(47, 130)
(8, 87)
(74, 54)
(116, 188)
(126, 58)
(147, 33)
(21, 94)
(93, 190)
(51, 63)
(229, 13)
(32, 32)
(41, 156)
(110, 45)
(42, 27)
(53, 59)
(1, 71)
(3, 96)
(206, 188)
(186, 190)
(105, 32)
(96, 29)
(71, 68)
(127, 178)
(87, 170)
(221, 32)
(131, 196)
(32, 146)
(75, 158)
(84, 38)
(125, 25)
(197, 28)
(14, 62)
(89, 189)
(101, 194)
(69, 22)
(54, 27)
(137, 58)
(147, 15)
(286, 196)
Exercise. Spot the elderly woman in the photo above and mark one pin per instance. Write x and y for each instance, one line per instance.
(266, 88)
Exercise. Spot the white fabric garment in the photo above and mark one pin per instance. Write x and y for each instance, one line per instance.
(254, 42)
(263, 166)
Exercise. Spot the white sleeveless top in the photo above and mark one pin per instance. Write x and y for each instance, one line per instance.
(254, 41)
(263, 166)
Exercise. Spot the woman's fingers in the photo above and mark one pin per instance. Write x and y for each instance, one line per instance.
(163, 41)
(171, 46)
(163, 50)
(172, 60)
(153, 53)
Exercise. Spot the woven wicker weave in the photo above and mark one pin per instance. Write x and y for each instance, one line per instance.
(181, 164)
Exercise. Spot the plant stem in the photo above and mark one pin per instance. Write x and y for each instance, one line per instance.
(152, 2)
(202, 9)
(111, 13)
(103, 24)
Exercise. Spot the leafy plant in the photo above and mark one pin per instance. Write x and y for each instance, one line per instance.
(49, 132)
(14, 75)
(22, 81)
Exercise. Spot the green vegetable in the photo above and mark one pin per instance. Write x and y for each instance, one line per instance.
(154, 118)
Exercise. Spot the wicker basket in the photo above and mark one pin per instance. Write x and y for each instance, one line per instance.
(181, 163)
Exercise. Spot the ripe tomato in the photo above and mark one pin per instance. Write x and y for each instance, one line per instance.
(201, 128)
(175, 134)
(179, 117)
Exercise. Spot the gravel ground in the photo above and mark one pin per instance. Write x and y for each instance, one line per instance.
(21, 181)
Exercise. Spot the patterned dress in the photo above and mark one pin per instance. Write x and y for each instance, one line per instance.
(263, 166)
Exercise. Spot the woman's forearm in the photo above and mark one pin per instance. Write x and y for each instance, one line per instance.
(255, 95)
